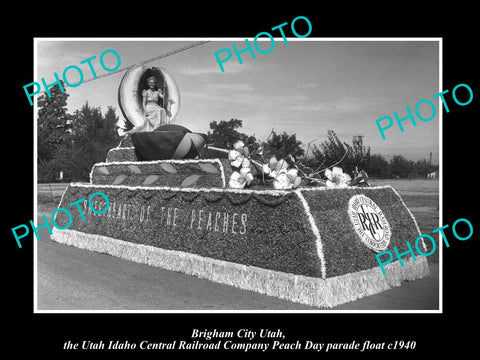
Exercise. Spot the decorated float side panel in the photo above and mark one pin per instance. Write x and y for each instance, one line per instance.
(355, 224)
(181, 173)
(253, 229)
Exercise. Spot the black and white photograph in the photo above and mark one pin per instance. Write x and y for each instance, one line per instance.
(271, 175)
(201, 190)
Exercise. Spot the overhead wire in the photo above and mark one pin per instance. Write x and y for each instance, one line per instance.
(176, 51)
(150, 60)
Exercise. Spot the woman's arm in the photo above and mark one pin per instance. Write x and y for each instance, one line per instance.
(144, 100)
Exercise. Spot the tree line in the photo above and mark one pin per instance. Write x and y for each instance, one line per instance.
(68, 145)
(351, 158)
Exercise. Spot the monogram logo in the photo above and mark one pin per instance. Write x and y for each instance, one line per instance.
(369, 222)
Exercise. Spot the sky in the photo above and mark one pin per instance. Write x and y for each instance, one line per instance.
(305, 87)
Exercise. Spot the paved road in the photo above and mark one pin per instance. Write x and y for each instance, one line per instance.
(69, 278)
(54, 189)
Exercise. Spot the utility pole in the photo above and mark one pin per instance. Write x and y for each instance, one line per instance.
(430, 158)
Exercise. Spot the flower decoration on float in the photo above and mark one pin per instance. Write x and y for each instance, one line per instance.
(239, 155)
(283, 177)
(239, 160)
(240, 179)
(245, 169)
(285, 173)
(336, 178)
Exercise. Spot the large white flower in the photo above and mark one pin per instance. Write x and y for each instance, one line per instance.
(236, 159)
(275, 167)
(292, 175)
(239, 145)
(337, 178)
(246, 163)
(239, 179)
(239, 155)
(286, 180)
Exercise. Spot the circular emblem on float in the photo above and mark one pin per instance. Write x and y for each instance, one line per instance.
(369, 222)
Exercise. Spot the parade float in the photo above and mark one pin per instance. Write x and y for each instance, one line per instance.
(240, 219)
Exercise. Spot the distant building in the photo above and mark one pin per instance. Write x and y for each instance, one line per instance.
(433, 175)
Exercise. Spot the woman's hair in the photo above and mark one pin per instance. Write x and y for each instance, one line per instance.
(152, 78)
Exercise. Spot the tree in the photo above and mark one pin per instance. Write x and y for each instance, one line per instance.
(377, 166)
(423, 167)
(224, 134)
(359, 154)
(53, 128)
(333, 151)
(107, 132)
(91, 137)
(401, 167)
(283, 145)
(317, 160)
(332, 148)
